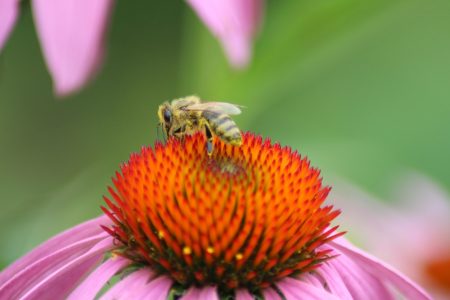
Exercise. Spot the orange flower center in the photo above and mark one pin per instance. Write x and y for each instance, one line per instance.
(244, 217)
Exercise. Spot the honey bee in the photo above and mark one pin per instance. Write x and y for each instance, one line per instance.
(188, 115)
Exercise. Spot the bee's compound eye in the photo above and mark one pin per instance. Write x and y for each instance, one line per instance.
(167, 116)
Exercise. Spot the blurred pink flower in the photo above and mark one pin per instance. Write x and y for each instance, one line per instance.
(411, 233)
(234, 23)
(71, 33)
(8, 15)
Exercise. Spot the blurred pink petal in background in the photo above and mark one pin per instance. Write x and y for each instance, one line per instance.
(72, 35)
(8, 14)
(412, 233)
(234, 23)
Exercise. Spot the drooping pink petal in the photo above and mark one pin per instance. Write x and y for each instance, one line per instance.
(71, 34)
(67, 243)
(157, 289)
(9, 10)
(243, 294)
(293, 289)
(371, 264)
(56, 274)
(127, 287)
(89, 288)
(333, 281)
(313, 280)
(234, 23)
(358, 282)
(204, 293)
(57, 287)
(271, 294)
(130, 286)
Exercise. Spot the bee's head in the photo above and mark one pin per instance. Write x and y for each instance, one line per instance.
(165, 116)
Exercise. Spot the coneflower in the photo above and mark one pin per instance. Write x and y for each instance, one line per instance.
(246, 223)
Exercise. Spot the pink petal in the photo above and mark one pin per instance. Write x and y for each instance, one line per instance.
(63, 242)
(243, 295)
(89, 288)
(293, 289)
(9, 10)
(333, 281)
(55, 275)
(234, 23)
(359, 282)
(271, 294)
(156, 289)
(383, 271)
(71, 34)
(313, 280)
(61, 284)
(129, 287)
(141, 284)
(205, 293)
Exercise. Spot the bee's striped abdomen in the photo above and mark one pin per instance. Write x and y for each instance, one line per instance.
(224, 127)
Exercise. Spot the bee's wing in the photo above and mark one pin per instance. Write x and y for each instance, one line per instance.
(217, 107)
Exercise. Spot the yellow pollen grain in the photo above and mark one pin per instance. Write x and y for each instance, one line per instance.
(187, 251)
(210, 250)
(161, 234)
(239, 256)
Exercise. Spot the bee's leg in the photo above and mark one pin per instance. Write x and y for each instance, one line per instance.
(183, 133)
(209, 140)
(179, 132)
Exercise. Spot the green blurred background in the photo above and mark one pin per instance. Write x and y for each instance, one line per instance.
(361, 87)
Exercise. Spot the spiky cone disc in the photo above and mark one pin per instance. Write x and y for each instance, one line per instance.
(245, 217)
